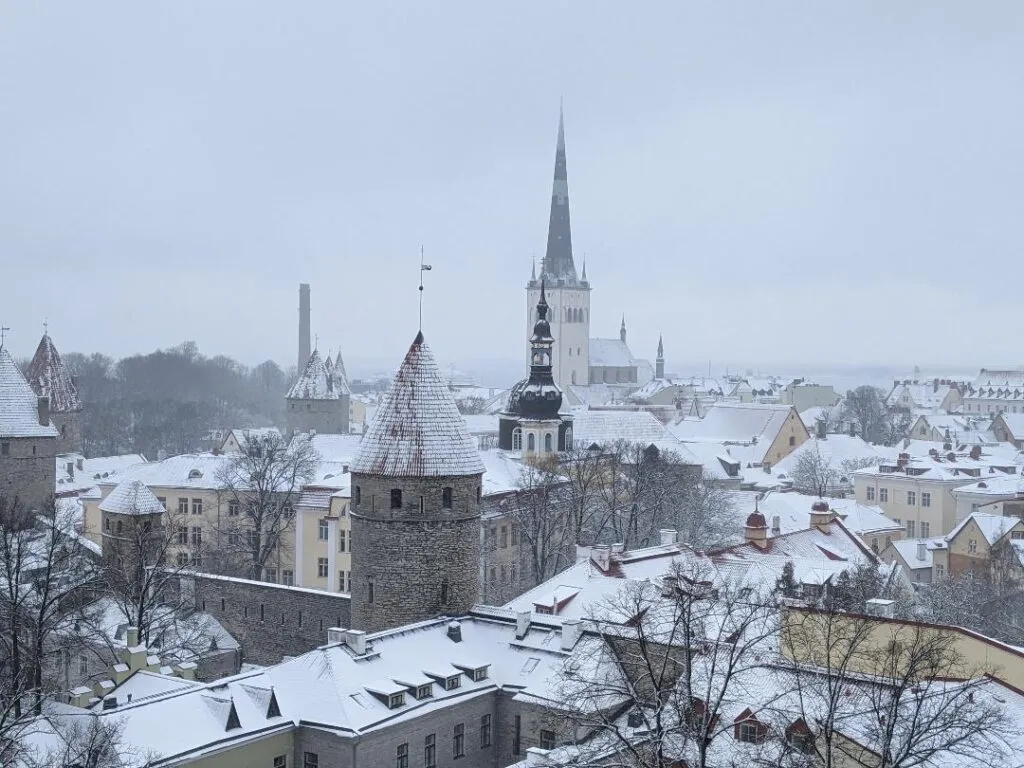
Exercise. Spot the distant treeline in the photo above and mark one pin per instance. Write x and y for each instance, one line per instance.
(170, 399)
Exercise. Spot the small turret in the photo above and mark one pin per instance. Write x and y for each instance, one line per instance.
(622, 330)
(659, 362)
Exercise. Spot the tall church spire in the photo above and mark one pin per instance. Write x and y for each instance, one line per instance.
(558, 264)
(659, 362)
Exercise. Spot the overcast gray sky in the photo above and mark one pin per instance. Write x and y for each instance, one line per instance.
(761, 181)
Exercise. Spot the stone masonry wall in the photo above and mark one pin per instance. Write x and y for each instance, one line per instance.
(69, 427)
(270, 621)
(414, 558)
(329, 417)
(29, 470)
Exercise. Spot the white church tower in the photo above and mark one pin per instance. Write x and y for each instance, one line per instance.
(568, 296)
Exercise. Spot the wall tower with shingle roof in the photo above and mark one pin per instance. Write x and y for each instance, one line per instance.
(415, 504)
(568, 294)
(28, 440)
(319, 400)
(50, 378)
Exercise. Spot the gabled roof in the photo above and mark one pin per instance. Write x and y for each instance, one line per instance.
(1014, 423)
(132, 497)
(993, 527)
(49, 378)
(317, 382)
(755, 424)
(418, 430)
(19, 406)
(607, 426)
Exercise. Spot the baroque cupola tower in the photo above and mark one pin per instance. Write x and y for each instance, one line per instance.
(416, 482)
(531, 422)
(568, 295)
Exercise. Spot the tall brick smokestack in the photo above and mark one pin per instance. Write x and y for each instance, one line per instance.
(304, 348)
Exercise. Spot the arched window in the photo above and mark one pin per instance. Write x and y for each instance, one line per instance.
(396, 498)
(531, 443)
(570, 351)
(547, 443)
(517, 439)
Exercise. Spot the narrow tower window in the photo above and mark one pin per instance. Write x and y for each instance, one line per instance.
(369, 590)
(444, 592)
(396, 498)
(446, 497)
(547, 442)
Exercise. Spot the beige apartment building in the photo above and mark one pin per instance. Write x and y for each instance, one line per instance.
(918, 492)
(201, 514)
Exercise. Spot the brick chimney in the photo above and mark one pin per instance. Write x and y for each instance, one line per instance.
(43, 408)
(821, 516)
(976, 452)
(756, 530)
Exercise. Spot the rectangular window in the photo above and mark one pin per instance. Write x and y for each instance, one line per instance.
(516, 732)
(183, 534)
(163, 501)
(321, 567)
(926, 499)
(5, 449)
(182, 506)
(926, 529)
(83, 665)
(485, 731)
(883, 495)
(1016, 535)
(547, 739)
(310, 760)
(182, 559)
(446, 497)
(287, 577)
(195, 559)
(322, 531)
(233, 508)
(939, 570)
(271, 575)
(341, 581)
(402, 756)
(342, 536)
(512, 573)
(234, 538)
(504, 536)
(972, 546)
(911, 498)
(396, 498)
(515, 535)
(369, 590)
(281, 761)
(197, 536)
(911, 529)
(197, 506)
(459, 740)
(747, 732)
(871, 493)
(430, 751)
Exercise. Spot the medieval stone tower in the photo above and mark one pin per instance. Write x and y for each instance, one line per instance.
(319, 400)
(49, 378)
(28, 440)
(415, 504)
(568, 295)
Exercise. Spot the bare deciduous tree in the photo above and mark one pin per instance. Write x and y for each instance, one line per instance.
(263, 484)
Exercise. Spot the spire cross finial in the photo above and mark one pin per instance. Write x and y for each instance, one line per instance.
(423, 268)
(46, 326)
(3, 330)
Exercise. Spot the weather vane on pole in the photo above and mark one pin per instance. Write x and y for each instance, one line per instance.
(423, 268)
(3, 329)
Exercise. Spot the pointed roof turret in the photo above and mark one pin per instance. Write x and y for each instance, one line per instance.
(583, 277)
(661, 347)
(317, 382)
(622, 329)
(558, 263)
(132, 497)
(49, 378)
(538, 397)
(19, 405)
(418, 430)
(339, 372)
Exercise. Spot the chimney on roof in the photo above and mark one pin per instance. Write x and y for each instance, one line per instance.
(43, 408)
(80, 463)
(756, 530)
(335, 635)
(935, 385)
(902, 461)
(356, 640)
(776, 525)
(522, 624)
(618, 548)
(600, 555)
(669, 537)
(922, 551)
(132, 637)
(570, 633)
(821, 516)
(976, 452)
(885, 609)
(822, 429)
(455, 631)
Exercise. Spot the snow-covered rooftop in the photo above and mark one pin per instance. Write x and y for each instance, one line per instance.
(992, 527)
(610, 353)
(742, 423)
(418, 430)
(50, 378)
(132, 497)
(317, 382)
(607, 426)
(19, 406)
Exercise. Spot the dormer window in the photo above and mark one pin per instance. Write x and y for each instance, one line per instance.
(453, 682)
(396, 700)
(424, 691)
(479, 674)
(194, 474)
